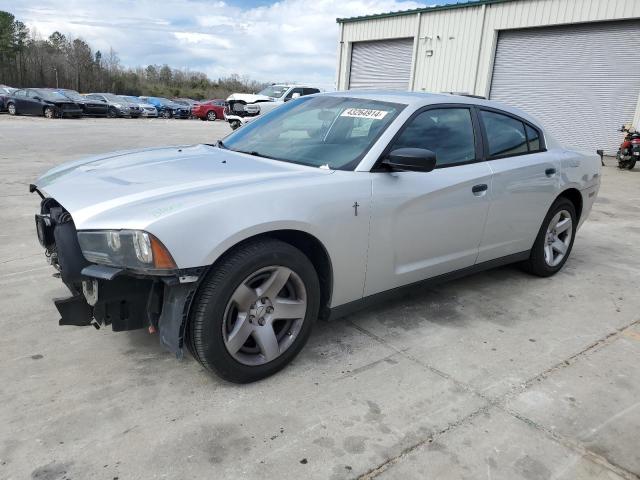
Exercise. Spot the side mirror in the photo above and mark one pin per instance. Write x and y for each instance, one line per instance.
(295, 95)
(411, 160)
(36, 98)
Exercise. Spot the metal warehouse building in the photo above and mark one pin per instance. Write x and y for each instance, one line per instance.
(574, 64)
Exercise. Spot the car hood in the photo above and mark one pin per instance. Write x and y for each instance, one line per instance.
(143, 185)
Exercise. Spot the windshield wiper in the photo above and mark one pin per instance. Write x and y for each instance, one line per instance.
(256, 154)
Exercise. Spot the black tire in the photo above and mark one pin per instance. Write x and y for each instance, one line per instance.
(536, 264)
(235, 124)
(205, 339)
(112, 113)
(630, 164)
(49, 112)
(211, 116)
(166, 114)
(11, 108)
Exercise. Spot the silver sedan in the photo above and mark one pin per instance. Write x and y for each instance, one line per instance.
(323, 206)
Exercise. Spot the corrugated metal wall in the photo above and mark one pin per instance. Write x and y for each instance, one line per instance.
(456, 47)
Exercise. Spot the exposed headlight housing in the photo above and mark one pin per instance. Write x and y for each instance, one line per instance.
(132, 249)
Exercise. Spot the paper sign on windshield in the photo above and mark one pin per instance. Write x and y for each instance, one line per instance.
(364, 113)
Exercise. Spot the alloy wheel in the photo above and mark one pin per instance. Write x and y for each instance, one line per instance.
(264, 315)
(211, 116)
(12, 109)
(558, 238)
(48, 112)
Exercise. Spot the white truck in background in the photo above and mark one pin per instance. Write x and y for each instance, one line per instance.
(244, 107)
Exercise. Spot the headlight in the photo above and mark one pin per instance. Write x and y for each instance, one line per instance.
(133, 249)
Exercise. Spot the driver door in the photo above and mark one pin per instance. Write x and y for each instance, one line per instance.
(425, 224)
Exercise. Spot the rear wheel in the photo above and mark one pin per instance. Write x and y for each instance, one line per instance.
(554, 241)
(254, 312)
(166, 114)
(112, 113)
(12, 109)
(211, 116)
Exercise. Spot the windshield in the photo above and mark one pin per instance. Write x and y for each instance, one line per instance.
(113, 98)
(51, 95)
(72, 94)
(326, 131)
(275, 91)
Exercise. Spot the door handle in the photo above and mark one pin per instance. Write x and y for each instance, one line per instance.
(550, 172)
(479, 189)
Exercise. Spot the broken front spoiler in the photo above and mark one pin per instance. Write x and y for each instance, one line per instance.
(112, 297)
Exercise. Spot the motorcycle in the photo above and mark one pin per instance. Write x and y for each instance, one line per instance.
(629, 151)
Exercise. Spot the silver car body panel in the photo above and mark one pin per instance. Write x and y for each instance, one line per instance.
(202, 200)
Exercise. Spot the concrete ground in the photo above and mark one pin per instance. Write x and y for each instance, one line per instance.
(499, 375)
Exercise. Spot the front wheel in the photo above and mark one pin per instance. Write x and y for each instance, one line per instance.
(554, 241)
(166, 114)
(235, 124)
(626, 164)
(49, 112)
(254, 311)
(112, 113)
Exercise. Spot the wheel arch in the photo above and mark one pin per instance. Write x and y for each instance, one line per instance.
(575, 197)
(310, 246)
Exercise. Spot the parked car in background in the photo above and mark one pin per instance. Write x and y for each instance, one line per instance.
(90, 107)
(169, 109)
(234, 251)
(148, 110)
(42, 102)
(118, 106)
(243, 107)
(209, 110)
(187, 102)
(5, 92)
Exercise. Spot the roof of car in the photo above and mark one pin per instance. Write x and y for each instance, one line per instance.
(418, 99)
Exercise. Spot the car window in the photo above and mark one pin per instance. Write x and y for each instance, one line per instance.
(20, 93)
(325, 131)
(533, 137)
(505, 134)
(293, 90)
(448, 132)
(309, 91)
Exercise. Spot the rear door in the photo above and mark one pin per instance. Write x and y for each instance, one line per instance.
(425, 224)
(526, 180)
(20, 101)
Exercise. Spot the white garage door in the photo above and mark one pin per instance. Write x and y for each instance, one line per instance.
(581, 81)
(381, 64)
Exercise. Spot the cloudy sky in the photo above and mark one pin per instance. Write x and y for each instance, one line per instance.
(288, 40)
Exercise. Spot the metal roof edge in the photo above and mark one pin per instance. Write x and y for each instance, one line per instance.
(435, 8)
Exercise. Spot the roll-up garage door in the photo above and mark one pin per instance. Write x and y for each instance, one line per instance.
(581, 81)
(381, 64)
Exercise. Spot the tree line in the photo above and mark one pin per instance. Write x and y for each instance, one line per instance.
(61, 62)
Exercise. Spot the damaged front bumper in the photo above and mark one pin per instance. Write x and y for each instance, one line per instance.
(102, 295)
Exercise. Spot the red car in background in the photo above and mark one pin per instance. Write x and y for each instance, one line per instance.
(209, 110)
